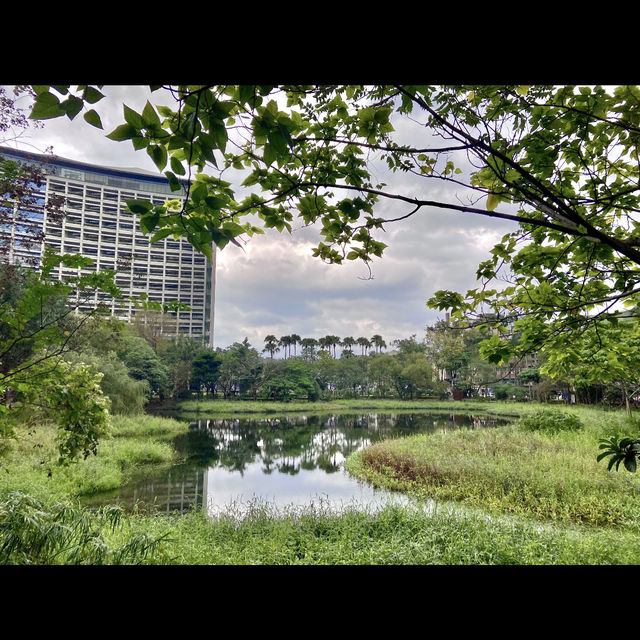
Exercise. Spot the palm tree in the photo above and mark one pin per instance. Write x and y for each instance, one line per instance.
(271, 344)
(333, 341)
(295, 338)
(348, 343)
(364, 343)
(309, 344)
(285, 341)
(378, 342)
(325, 343)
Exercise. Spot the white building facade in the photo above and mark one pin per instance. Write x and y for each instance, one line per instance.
(98, 225)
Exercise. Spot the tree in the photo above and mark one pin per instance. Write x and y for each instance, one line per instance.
(271, 344)
(556, 161)
(241, 369)
(609, 355)
(205, 371)
(144, 364)
(348, 343)
(384, 371)
(295, 339)
(365, 344)
(285, 342)
(560, 162)
(378, 342)
(308, 347)
(37, 319)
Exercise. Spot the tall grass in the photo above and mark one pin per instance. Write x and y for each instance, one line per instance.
(395, 535)
(29, 463)
(32, 532)
(548, 475)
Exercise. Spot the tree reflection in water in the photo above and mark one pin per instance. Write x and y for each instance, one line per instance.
(243, 453)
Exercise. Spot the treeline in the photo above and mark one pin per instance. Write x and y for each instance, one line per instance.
(139, 363)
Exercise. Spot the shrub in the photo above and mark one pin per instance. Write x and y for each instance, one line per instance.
(550, 421)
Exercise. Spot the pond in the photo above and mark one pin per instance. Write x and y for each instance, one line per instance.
(281, 460)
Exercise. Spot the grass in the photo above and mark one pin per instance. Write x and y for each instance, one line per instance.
(352, 405)
(533, 474)
(29, 463)
(504, 496)
(395, 535)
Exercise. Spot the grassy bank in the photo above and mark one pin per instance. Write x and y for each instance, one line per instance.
(29, 462)
(192, 408)
(535, 474)
(520, 498)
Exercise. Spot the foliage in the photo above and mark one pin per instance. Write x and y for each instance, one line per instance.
(558, 161)
(32, 533)
(626, 450)
(144, 364)
(73, 397)
(127, 396)
(206, 369)
(292, 378)
(550, 421)
(35, 314)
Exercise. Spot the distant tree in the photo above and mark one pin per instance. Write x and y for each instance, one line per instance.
(241, 369)
(325, 343)
(308, 347)
(415, 376)
(295, 339)
(271, 345)
(285, 342)
(144, 364)
(348, 343)
(333, 342)
(365, 344)
(205, 371)
(378, 342)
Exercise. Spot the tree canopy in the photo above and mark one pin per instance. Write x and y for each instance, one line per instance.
(558, 161)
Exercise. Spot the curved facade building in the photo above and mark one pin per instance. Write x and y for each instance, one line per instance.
(98, 225)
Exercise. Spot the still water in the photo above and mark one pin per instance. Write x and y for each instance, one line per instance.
(285, 461)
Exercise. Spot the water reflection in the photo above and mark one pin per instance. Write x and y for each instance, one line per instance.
(285, 460)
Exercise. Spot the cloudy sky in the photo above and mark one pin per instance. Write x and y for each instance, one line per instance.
(274, 285)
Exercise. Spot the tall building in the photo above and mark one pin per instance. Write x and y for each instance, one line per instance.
(99, 225)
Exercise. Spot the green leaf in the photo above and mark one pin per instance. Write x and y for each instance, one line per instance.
(176, 166)
(132, 117)
(72, 106)
(139, 207)
(148, 222)
(46, 106)
(92, 95)
(150, 116)
(492, 201)
(123, 132)
(158, 154)
(93, 118)
(161, 234)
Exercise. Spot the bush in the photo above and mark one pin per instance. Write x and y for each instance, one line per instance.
(550, 421)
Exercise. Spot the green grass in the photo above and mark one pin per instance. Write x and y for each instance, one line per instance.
(534, 474)
(238, 407)
(395, 535)
(29, 463)
(504, 496)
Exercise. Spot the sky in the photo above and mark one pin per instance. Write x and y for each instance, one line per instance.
(273, 284)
